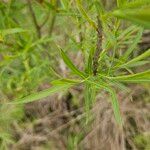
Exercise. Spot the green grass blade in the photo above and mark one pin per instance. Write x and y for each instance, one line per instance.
(71, 66)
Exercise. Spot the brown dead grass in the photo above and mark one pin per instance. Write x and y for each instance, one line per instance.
(52, 120)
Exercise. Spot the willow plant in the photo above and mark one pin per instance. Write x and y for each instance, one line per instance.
(110, 65)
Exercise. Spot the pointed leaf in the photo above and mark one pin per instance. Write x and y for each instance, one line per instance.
(71, 66)
(85, 15)
(139, 16)
(89, 97)
(115, 106)
(133, 45)
(143, 77)
(101, 85)
(5, 32)
(138, 58)
(136, 4)
(121, 2)
(42, 94)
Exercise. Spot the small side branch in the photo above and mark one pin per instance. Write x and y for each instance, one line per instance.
(53, 17)
(38, 29)
(98, 47)
(52, 24)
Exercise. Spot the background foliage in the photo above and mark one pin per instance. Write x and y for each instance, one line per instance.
(49, 47)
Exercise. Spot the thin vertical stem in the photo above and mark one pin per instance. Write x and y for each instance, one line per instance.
(98, 47)
(53, 17)
(38, 29)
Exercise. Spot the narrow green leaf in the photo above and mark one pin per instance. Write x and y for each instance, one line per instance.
(66, 81)
(64, 3)
(101, 85)
(138, 58)
(135, 64)
(50, 5)
(139, 16)
(115, 106)
(143, 77)
(42, 94)
(125, 34)
(90, 62)
(136, 4)
(5, 32)
(85, 15)
(133, 45)
(120, 2)
(99, 7)
(71, 66)
(109, 34)
(1, 39)
(89, 97)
